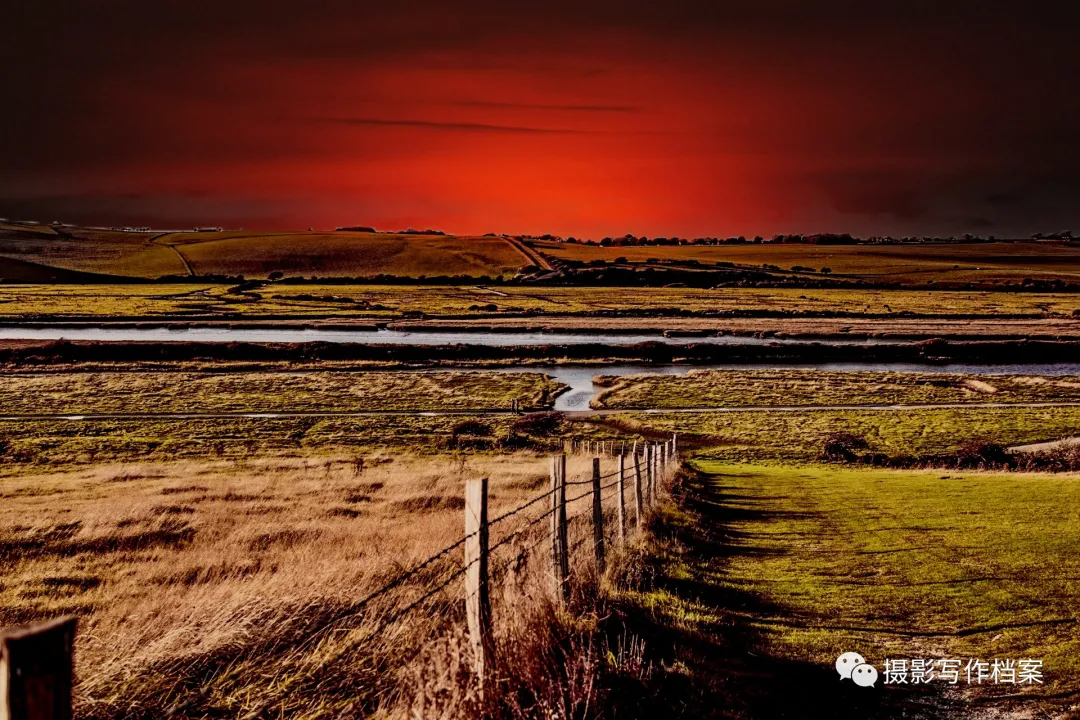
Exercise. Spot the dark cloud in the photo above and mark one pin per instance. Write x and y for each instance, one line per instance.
(556, 108)
(454, 126)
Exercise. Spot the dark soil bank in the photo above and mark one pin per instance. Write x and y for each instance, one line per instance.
(928, 351)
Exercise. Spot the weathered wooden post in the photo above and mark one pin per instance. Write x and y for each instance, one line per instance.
(622, 498)
(650, 463)
(559, 545)
(477, 597)
(36, 669)
(654, 489)
(597, 516)
(638, 500)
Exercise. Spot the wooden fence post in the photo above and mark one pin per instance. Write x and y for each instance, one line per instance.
(637, 490)
(477, 597)
(559, 544)
(622, 498)
(36, 670)
(655, 487)
(597, 516)
(650, 462)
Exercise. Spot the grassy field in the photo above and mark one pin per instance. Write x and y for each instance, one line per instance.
(211, 588)
(799, 436)
(735, 388)
(784, 438)
(257, 254)
(348, 255)
(375, 301)
(777, 571)
(109, 253)
(217, 392)
(908, 264)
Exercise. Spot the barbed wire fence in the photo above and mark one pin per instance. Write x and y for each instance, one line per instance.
(41, 655)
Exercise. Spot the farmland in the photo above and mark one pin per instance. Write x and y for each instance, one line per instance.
(217, 392)
(734, 388)
(905, 264)
(107, 253)
(798, 436)
(347, 254)
(313, 301)
(257, 254)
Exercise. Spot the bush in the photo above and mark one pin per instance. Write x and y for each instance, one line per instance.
(842, 446)
(472, 428)
(540, 424)
(983, 455)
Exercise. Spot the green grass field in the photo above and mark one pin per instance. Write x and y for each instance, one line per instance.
(781, 387)
(768, 574)
(906, 264)
(315, 300)
(799, 436)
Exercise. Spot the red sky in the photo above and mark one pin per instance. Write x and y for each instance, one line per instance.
(580, 118)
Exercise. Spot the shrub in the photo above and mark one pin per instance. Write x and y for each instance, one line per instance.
(982, 455)
(842, 446)
(537, 424)
(473, 428)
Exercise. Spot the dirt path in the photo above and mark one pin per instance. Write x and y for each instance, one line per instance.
(531, 255)
(183, 258)
(1045, 446)
(52, 417)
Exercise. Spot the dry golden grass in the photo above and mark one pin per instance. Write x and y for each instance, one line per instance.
(109, 253)
(234, 589)
(784, 387)
(160, 392)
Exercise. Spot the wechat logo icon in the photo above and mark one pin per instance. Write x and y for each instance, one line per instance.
(853, 666)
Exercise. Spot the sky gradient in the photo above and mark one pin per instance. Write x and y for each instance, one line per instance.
(581, 118)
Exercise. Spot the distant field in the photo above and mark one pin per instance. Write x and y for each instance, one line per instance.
(799, 436)
(347, 254)
(257, 254)
(103, 252)
(733, 388)
(315, 300)
(217, 392)
(906, 264)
